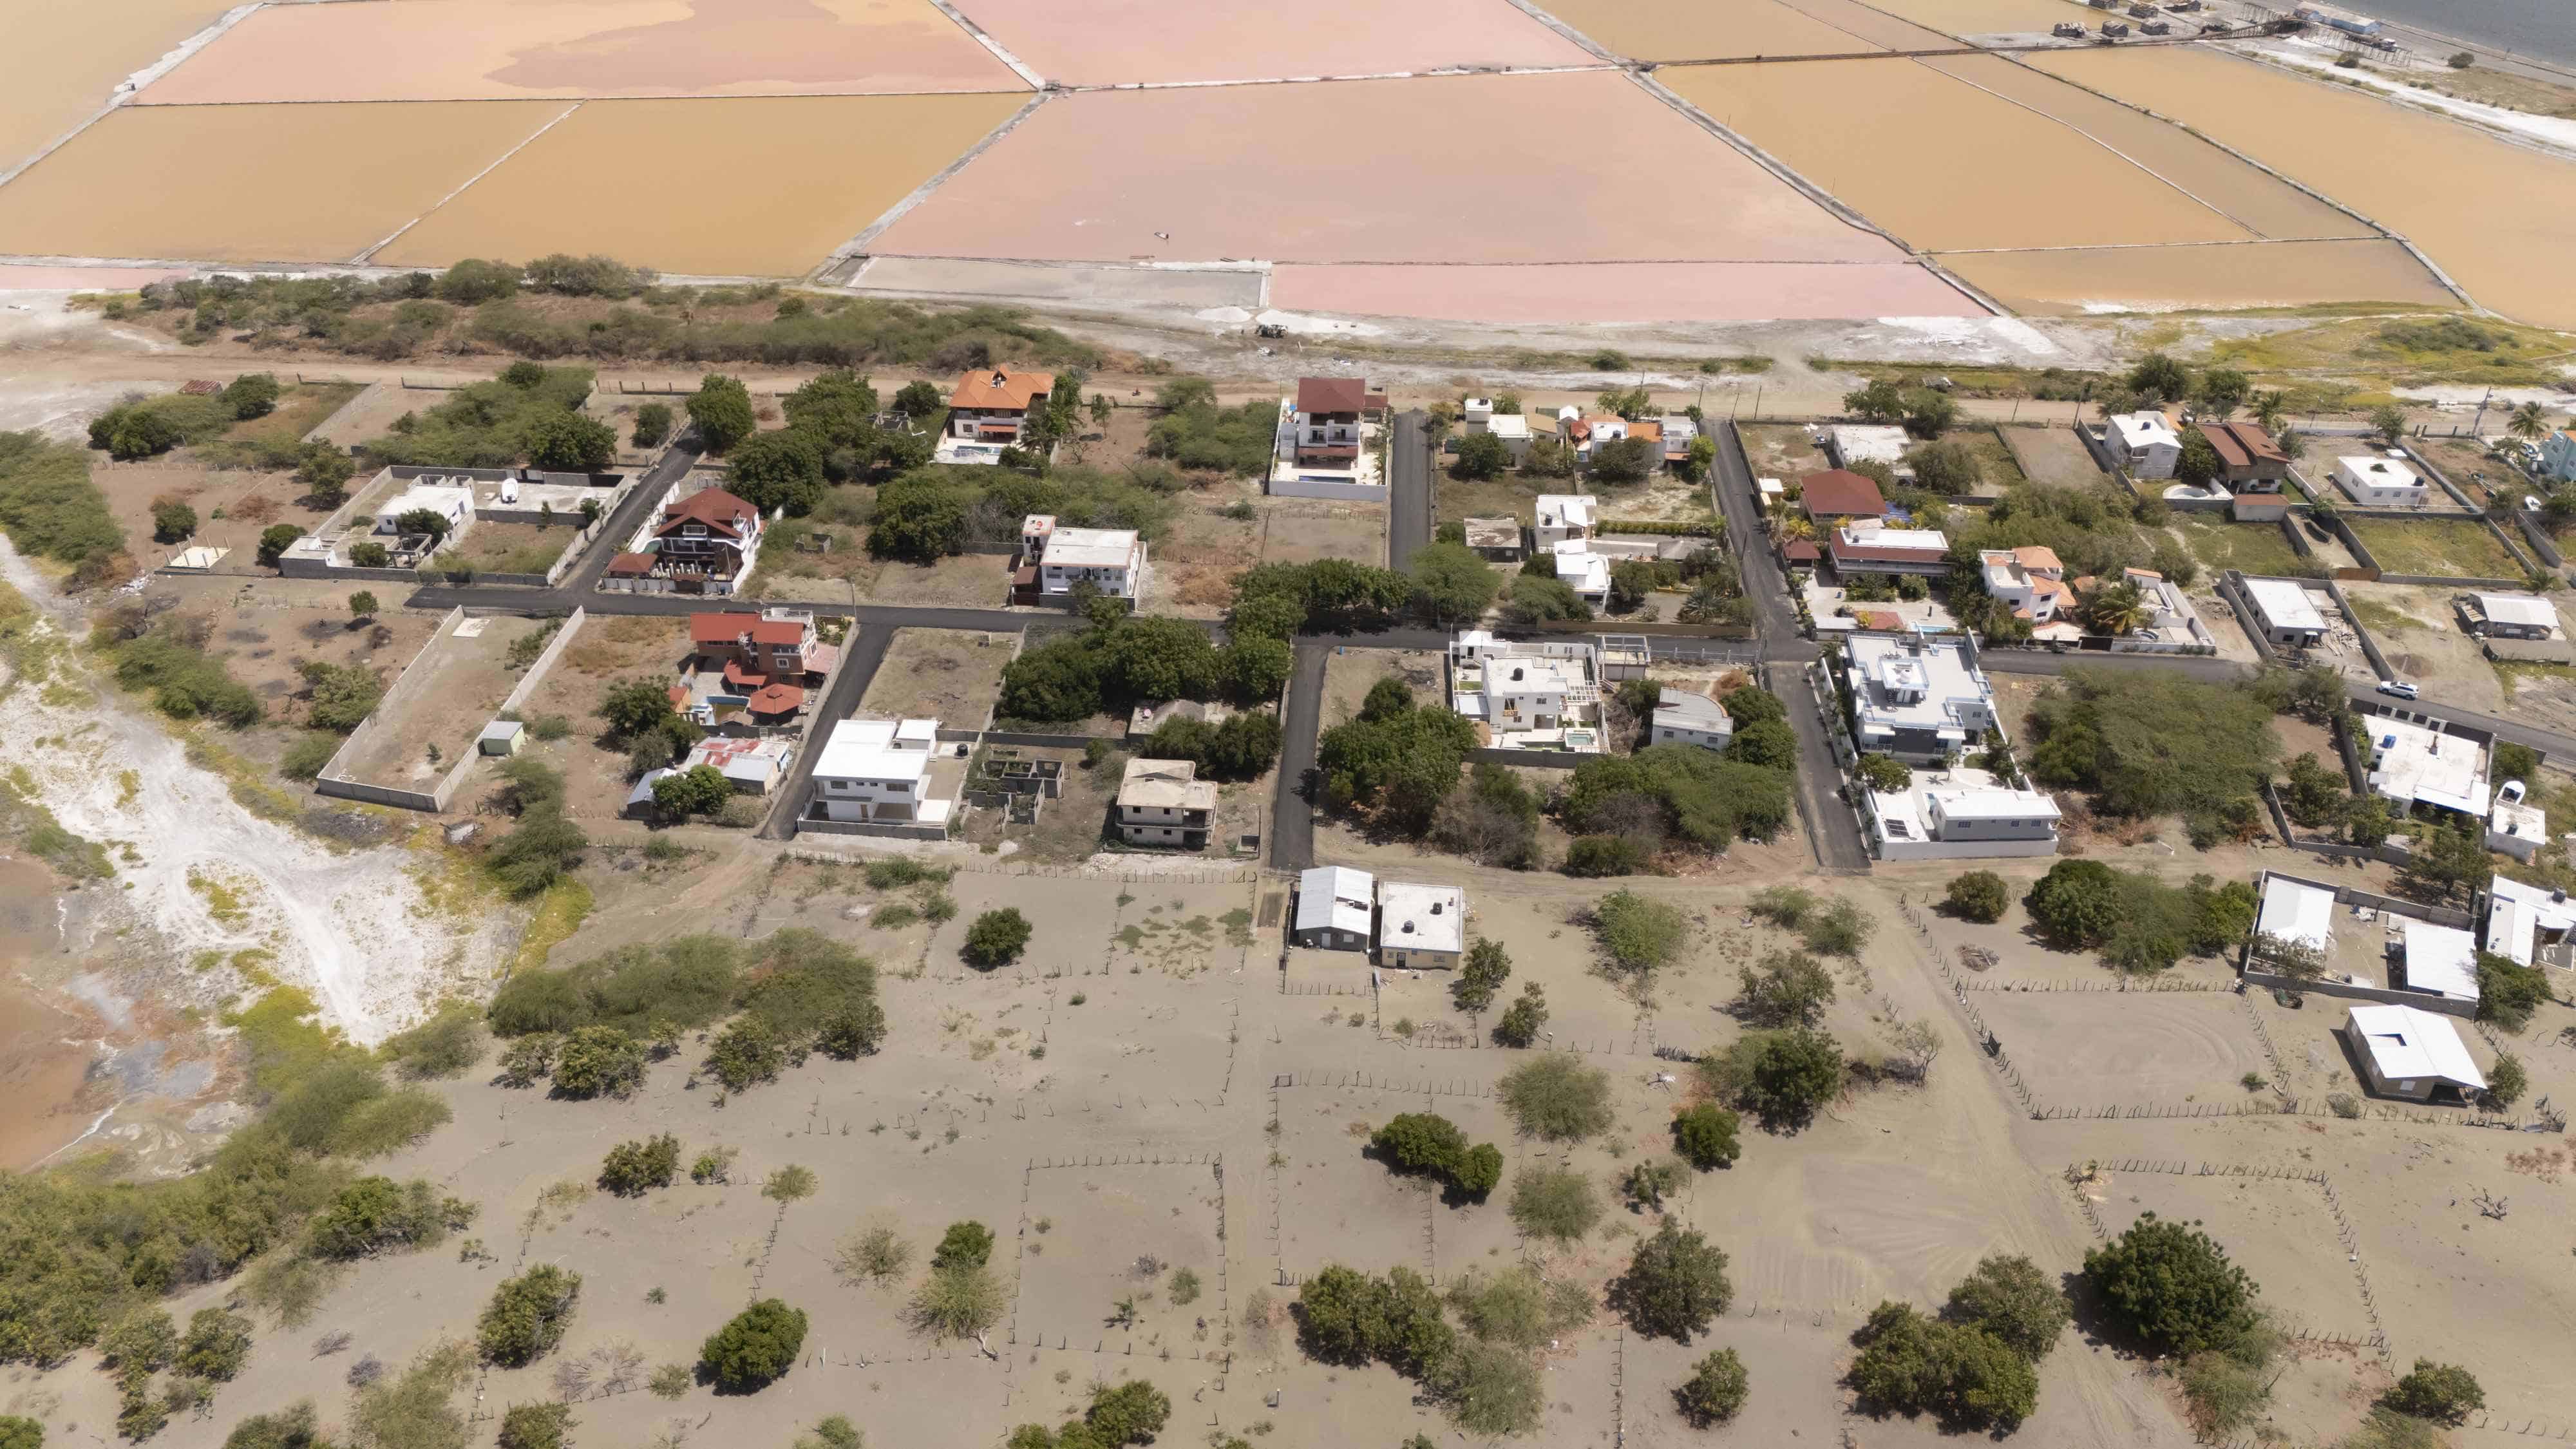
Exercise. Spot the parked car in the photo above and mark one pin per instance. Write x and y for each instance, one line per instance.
(2398, 687)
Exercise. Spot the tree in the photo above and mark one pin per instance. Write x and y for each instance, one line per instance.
(919, 400)
(2199, 463)
(1481, 456)
(697, 790)
(956, 1302)
(252, 395)
(997, 938)
(2077, 904)
(2449, 857)
(325, 472)
(1638, 933)
(1522, 1021)
(1422, 1142)
(1977, 895)
(1556, 1098)
(1714, 1392)
(172, 521)
(2506, 1080)
(636, 707)
(756, 1348)
(2160, 377)
(2509, 992)
(1880, 401)
(1955, 1371)
(370, 555)
(568, 442)
(1789, 989)
(343, 694)
(749, 1051)
(2527, 421)
(2222, 390)
(632, 1167)
(721, 411)
(216, 1346)
(1768, 743)
(2171, 1285)
(474, 281)
(1675, 1283)
(966, 1244)
(293, 1428)
(776, 470)
(1486, 968)
(599, 1061)
(652, 424)
(1698, 458)
(1928, 414)
(274, 541)
(527, 1315)
(1554, 1203)
(1451, 583)
(1348, 1317)
(362, 605)
(2012, 1299)
(536, 1426)
(542, 849)
(2389, 423)
(1704, 1134)
(2316, 795)
(1782, 1077)
(2368, 822)
(1625, 460)
(1130, 1413)
(2444, 1393)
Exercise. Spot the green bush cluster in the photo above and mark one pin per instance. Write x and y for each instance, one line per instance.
(2140, 923)
(2150, 742)
(1432, 1146)
(931, 512)
(51, 509)
(1396, 761)
(1196, 433)
(755, 1348)
(1126, 660)
(530, 414)
(1121, 1414)
(1678, 795)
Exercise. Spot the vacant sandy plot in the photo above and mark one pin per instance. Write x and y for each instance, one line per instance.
(1607, 292)
(1122, 1234)
(456, 686)
(1878, 107)
(1204, 174)
(573, 189)
(1113, 42)
(1684, 30)
(1305, 530)
(63, 62)
(2104, 1049)
(460, 50)
(1337, 1204)
(2438, 548)
(2277, 1229)
(944, 674)
(973, 580)
(2405, 169)
(2082, 281)
(255, 183)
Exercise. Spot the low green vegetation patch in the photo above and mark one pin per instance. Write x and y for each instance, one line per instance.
(1196, 433)
(932, 512)
(2436, 547)
(530, 414)
(2147, 743)
(51, 509)
(2139, 922)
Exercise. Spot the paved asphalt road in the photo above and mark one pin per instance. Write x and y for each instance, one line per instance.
(861, 653)
(1775, 620)
(1832, 828)
(1409, 462)
(1292, 815)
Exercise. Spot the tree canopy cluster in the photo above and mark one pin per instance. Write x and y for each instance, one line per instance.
(1681, 796)
(1430, 1145)
(145, 427)
(1122, 660)
(51, 508)
(530, 414)
(2148, 742)
(1396, 761)
(2138, 922)
(1976, 1365)
(1196, 433)
(931, 512)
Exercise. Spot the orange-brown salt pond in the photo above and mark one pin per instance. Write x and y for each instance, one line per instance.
(1114, 42)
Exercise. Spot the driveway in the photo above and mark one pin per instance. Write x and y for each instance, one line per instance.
(1292, 816)
(1832, 830)
(1775, 622)
(1408, 471)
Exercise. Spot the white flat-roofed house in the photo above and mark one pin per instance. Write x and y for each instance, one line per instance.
(1533, 695)
(876, 769)
(1869, 546)
(2144, 443)
(453, 503)
(2285, 613)
(2380, 480)
(1478, 416)
(1918, 699)
(1961, 814)
(1563, 516)
(1421, 925)
(1054, 559)
(2438, 961)
(1334, 908)
(1849, 443)
(1582, 570)
(2516, 616)
(2295, 911)
(2528, 924)
(2408, 1052)
(1164, 802)
(2411, 765)
(2030, 581)
(2515, 825)
(1683, 718)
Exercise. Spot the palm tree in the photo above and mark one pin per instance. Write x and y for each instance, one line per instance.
(2118, 609)
(2526, 422)
(2270, 408)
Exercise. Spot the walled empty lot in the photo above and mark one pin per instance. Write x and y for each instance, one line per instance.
(2112, 1049)
(1206, 173)
(574, 49)
(574, 188)
(1129, 41)
(2079, 281)
(457, 685)
(944, 674)
(255, 183)
(2445, 547)
(2405, 169)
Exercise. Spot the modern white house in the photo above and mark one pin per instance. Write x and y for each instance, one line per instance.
(2030, 580)
(1053, 560)
(2529, 924)
(2408, 1052)
(1513, 429)
(453, 503)
(1421, 925)
(2295, 911)
(2144, 443)
(2380, 480)
(2411, 765)
(2436, 960)
(1961, 814)
(1584, 571)
(2558, 455)
(1164, 802)
(876, 769)
(1527, 694)
(1870, 546)
(2286, 613)
(1563, 516)
(1917, 697)
(2515, 826)
(1335, 906)
(1321, 446)
(1683, 718)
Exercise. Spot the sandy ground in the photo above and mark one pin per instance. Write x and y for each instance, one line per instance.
(942, 673)
(1302, 530)
(1624, 292)
(254, 183)
(1128, 41)
(2369, 154)
(247, 503)
(463, 680)
(1673, 31)
(1090, 177)
(64, 63)
(496, 50)
(573, 189)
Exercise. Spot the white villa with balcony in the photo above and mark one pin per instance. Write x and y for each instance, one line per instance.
(1053, 560)
(1918, 698)
(877, 769)
(1563, 516)
(1527, 695)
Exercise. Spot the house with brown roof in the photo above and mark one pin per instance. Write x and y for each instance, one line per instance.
(991, 405)
(1328, 419)
(1840, 493)
(2029, 580)
(702, 540)
(1321, 449)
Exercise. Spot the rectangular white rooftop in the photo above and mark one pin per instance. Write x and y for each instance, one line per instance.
(2285, 604)
(2526, 610)
(2518, 913)
(877, 749)
(1095, 548)
(2441, 960)
(2297, 911)
(1566, 510)
(1421, 917)
(1334, 896)
(2415, 765)
(2141, 430)
(2409, 1044)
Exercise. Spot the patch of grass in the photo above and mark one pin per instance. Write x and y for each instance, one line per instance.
(223, 902)
(2255, 548)
(560, 912)
(2380, 617)
(2445, 548)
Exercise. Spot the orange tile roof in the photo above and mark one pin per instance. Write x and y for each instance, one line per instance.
(1000, 388)
(2037, 556)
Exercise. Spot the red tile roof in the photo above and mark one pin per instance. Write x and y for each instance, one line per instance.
(1839, 491)
(626, 564)
(778, 631)
(2242, 445)
(1000, 388)
(707, 629)
(741, 678)
(1332, 394)
(1799, 550)
(713, 507)
(777, 699)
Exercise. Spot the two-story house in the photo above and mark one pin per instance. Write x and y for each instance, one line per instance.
(1054, 560)
(1562, 516)
(876, 769)
(1327, 420)
(1684, 718)
(1164, 802)
(757, 648)
(706, 542)
(2144, 443)
(2248, 460)
(992, 404)
(2558, 456)
(1918, 698)
(2029, 580)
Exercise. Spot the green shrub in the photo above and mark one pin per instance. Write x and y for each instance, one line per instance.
(1675, 1284)
(2172, 1286)
(527, 1315)
(1554, 1203)
(599, 1061)
(747, 1052)
(1557, 1098)
(2444, 1393)
(2508, 993)
(377, 1215)
(2012, 1299)
(632, 1167)
(1782, 1077)
(1715, 1391)
(1977, 895)
(966, 1244)
(1704, 1135)
(756, 1348)
(997, 938)
(1957, 1372)
(536, 1426)
(1638, 933)
(1522, 1021)
(445, 1046)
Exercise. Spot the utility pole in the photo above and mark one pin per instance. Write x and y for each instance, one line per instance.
(2482, 411)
